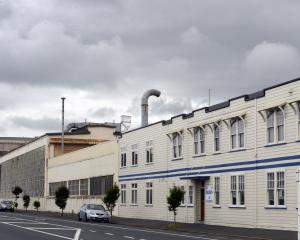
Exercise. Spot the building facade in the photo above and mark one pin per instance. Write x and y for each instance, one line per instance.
(27, 165)
(236, 162)
(8, 144)
(87, 173)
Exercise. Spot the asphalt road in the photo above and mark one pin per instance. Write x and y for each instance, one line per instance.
(14, 226)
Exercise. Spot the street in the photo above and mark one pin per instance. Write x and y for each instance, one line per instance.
(14, 226)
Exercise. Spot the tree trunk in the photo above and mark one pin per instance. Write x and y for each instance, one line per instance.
(62, 212)
(111, 216)
(174, 217)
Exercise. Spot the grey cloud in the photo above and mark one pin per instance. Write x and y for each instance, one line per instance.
(43, 124)
(122, 48)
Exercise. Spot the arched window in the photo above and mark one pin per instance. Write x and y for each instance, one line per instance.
(216, 138)
(237, 133)
(199, 141)
(275, 125)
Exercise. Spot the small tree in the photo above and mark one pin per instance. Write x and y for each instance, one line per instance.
(61, 198)
(111, 198)
(16, 191)
(174, 200)
(36, 205)
(26, 200)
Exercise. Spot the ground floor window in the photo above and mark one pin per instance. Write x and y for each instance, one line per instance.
(217, 191)
(276, 188)
(84, 186)
(237, 183)
(191, 195)
(73, 187)
(123, 193)
(134, 193)
(149, 193)
(183, 199)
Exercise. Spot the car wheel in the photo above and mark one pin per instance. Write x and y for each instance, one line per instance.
(85, 218)
(79, 218)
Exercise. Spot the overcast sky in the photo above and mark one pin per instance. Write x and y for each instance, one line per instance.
(103, 54)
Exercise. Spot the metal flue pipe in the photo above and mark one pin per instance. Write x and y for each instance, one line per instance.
(144, 105)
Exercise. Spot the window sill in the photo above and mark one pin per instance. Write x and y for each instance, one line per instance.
(216, 206)
(199, 155)
(134, 165)
(177, 159)
(276, 207)
(123, 167)
(190, 205)
(148, 205)
(275, 144)
(123, 204)
(182, 206)
(216, 153)
(133, 205)
(149, 163)
(237, 207)
(238, 150)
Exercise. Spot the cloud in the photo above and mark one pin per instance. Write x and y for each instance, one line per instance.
(111, 52)
(192, 36)
(272, 62)
(47, 124)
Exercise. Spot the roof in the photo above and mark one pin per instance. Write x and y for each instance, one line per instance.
(247, 97)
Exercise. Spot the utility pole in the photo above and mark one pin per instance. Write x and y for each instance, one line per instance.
(63, 126)
(209, 97)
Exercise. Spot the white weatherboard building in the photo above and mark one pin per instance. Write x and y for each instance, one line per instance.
(236, 161)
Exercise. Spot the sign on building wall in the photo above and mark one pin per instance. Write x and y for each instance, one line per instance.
(209, 193)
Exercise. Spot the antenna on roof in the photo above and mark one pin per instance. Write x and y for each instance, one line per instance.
(125, 122)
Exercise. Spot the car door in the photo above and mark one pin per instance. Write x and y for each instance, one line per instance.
(82, 211)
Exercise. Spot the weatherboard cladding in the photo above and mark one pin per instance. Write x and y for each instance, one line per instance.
(253, 161)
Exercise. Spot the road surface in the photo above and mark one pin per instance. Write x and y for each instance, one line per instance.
(14, 226)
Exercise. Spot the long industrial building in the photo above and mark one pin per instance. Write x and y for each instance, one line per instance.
(236, 162)
(27, 166)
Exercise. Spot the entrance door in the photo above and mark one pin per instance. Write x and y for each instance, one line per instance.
(202, 203)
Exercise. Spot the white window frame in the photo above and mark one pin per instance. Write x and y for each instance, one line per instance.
(199, 141)
(149, 190)
(275, 126)
(235, 127)
(182, 188)
(149, 152)
(276, 188)
(177, 145)
(134, 194)
(191, 195)
(238, 188)
(134, 155)
(123, 157)
(217, 138)
(217, 192)
(298, 119)
(123, 194)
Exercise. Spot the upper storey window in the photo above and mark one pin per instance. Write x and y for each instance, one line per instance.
(199, 141)
(216, 138)
(149, 151)
(275, 125)
(177, 145)
(237, 133)
(134, 155)
(123, 156)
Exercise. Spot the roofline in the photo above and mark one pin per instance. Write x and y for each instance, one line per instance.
(218, 106)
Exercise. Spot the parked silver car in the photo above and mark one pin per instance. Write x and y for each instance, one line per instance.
(95, 212)
(7, 205)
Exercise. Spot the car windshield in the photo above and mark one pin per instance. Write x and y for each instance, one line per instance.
(95, 207)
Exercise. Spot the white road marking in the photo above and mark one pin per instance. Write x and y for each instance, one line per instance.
(110, 234)
(128, 237)
(93, 231)
(37, 229)
(132, 229)
(34, 230)
(77, 234)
